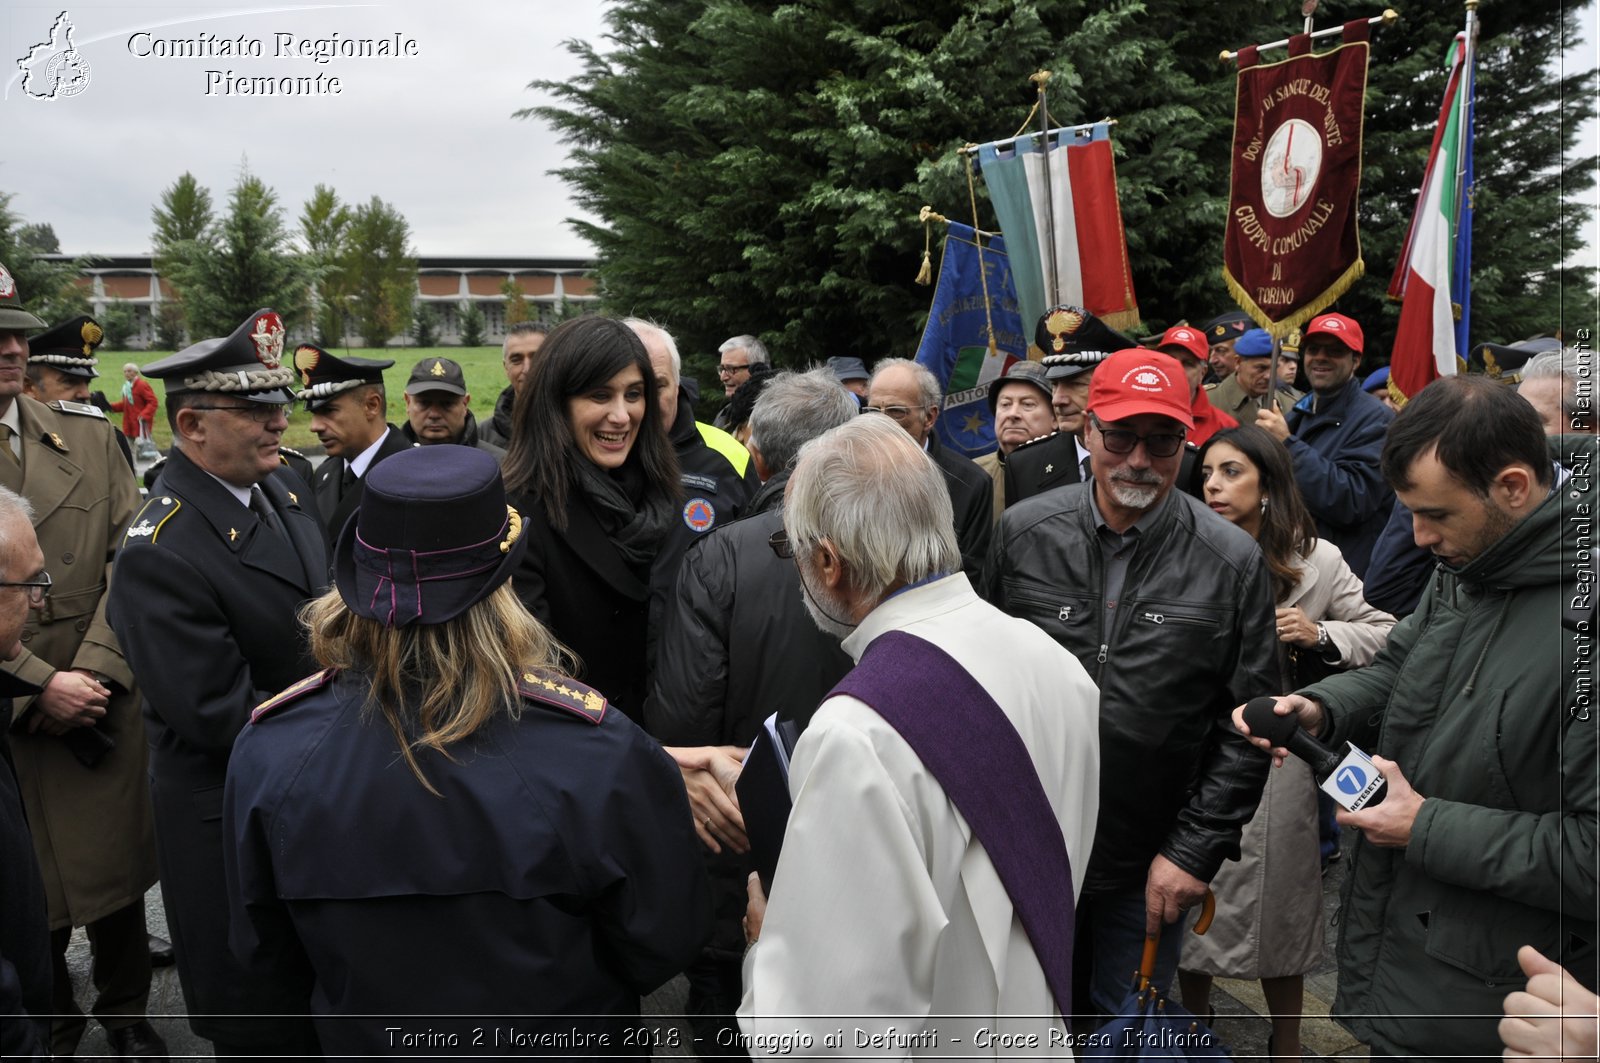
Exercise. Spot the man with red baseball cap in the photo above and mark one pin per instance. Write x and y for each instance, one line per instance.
(1335, 436)
(1188, 345)
(1170, 610)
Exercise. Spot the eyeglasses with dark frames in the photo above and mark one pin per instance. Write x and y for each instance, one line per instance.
(38, 587)
(779, 541)
(1156, 444)
(259, 412)
(728, 370)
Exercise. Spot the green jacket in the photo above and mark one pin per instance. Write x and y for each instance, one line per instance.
(1484, 698)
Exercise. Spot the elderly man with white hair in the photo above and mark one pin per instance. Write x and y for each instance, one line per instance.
(1561, 386)
(944, 794)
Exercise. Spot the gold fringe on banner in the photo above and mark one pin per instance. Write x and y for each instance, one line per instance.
(983, 274)
(1279, 329)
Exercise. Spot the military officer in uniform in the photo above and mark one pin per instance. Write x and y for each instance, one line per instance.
(79, 745)
(1252, 382)
(204, 597)
(61, 364)
(348, 404)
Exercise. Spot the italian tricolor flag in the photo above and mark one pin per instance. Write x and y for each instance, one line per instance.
(1436, 254)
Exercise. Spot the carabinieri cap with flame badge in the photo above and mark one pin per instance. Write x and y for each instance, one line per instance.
(246, 363)
(323, 375)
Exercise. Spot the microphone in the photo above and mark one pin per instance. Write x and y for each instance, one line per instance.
(1347, 775)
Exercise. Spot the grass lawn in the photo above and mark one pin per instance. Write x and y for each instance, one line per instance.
(481, 365)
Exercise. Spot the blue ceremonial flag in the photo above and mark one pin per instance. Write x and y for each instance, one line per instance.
(955, 343)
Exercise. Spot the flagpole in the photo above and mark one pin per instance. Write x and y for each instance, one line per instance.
(1042, 78)
(1390, 15)
(1469, 49)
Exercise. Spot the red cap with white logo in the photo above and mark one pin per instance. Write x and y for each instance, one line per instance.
(1136, 381)
(1341, 328)
(1190, 339)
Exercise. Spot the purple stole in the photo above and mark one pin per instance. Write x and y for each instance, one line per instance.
(967, 743)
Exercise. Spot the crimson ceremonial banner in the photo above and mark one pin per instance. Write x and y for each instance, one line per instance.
(1291, 247)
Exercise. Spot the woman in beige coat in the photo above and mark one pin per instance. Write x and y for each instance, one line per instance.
(1269, 902)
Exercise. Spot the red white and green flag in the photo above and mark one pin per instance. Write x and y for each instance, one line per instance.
(1431, 278)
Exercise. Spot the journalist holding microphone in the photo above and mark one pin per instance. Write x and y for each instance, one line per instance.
(1484, 839)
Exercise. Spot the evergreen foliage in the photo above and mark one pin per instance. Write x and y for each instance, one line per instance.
(241, 262)
(757, 166)
(169, 325)
(517, 308)
(425, 325)
(323, 221)
(119, 322)
(380, 271)
(471, 324)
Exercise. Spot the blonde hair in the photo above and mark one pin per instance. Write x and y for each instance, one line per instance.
(466, 670)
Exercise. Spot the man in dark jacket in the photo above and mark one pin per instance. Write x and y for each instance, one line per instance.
(347, 403)
(909, 394)
(1170, 610)
(522, 344)
(736, 647)
(1486, 838)
(439, 408)
(1335, 434)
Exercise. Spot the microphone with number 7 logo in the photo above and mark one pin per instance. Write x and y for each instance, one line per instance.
(1347, 775)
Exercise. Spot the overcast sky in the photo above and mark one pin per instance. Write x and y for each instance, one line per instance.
(430, 132)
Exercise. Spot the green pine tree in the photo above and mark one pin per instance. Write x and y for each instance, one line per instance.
(49, 286)
(380, 270)
(470, 321)
(323, 222)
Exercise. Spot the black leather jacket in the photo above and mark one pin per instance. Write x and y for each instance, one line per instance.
(1191, 638)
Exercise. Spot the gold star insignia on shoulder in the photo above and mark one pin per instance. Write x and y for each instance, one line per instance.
(233, 533)
(1049, 467)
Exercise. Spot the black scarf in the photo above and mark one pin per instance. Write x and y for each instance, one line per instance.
(633, 517)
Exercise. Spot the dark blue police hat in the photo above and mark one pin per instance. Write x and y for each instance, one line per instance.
(69, 347)
(433, 536)
(246, 363)
(323, 375)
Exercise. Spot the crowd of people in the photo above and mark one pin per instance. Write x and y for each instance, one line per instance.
(449, 733)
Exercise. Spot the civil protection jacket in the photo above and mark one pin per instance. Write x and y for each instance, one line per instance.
(1485, 699)
(1191, 639)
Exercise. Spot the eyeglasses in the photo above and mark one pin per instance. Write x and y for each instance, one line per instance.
(779, 541)
(898, 413)
(728, 370)
(1326, 349)
(1156, 444)
(38, 587)
(260, 413)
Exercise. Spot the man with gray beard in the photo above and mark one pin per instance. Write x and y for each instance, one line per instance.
(1171, 611)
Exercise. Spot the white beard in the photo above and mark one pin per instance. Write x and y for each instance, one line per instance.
(1132, 496)
(821, 611)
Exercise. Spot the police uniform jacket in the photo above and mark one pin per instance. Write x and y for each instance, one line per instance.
(972, 503)
(203, 600)
(557, 873)
(91, 826)
(334, 502)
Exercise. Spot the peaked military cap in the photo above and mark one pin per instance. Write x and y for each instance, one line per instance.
(437, 374)
(324, 375)
(1075, 341)
(1504, 361)
(1229, 326)
(246, 363)
(69, 347)
(12, 316)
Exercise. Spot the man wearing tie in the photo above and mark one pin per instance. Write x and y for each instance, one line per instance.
(347, 403)
(203, 599)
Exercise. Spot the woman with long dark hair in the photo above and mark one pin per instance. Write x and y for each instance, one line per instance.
(592, 469)
(1269, 903)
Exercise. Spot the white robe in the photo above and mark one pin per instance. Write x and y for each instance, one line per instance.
(886, 913)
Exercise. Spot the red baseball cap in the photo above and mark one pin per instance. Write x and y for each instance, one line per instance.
(1190, 339)
(1341, 328)
(1137, 380)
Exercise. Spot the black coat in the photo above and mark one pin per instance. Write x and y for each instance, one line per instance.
(736, 647)
(556, 874)
(203, 601)
(590, 598)
(972, 502)
(471, 436)
(25, 1002)
(336, 504)
(497, 429)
